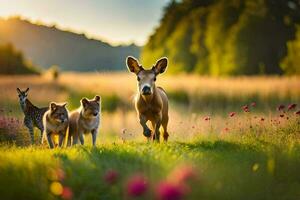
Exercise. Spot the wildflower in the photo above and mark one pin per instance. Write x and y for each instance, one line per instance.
(226, 129)
(297, 113)
(262, 119)
(183, 173)
(67, 193)
(111, 176)
(292, 106)
(56, 188)
(282, 115)
(169, 191)
(246, 108)
(232, 114)
(255, 167)
(280, 107)
(253, 104)
(207, 118)
(137, 186)
(60, 174)
(193, 127)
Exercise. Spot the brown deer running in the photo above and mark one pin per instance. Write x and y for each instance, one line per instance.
(151, 102)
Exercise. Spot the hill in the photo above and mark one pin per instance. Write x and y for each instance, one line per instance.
(46, 46)
(228, 37)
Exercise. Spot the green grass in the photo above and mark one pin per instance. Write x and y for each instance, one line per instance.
(245, 168)
(254, 160)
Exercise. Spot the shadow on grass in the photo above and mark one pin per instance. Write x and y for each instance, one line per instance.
(217, 145)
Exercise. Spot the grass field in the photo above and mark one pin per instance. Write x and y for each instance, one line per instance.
(217, 149)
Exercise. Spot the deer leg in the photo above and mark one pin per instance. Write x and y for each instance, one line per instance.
(166, 134)
(31, 132)
(157, 132)
(165, 127)
(153, 128)
(28, 123)
(157, 121)
(146, 130)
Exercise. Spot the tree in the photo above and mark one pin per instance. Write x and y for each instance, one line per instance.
(226, 37)
(13, 62)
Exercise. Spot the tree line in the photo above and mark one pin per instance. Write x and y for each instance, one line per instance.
(13, 62)
(228, 37)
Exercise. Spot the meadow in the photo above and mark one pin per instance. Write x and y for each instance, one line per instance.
(230, 138)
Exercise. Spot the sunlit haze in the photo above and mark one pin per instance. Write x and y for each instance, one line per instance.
(114, 21)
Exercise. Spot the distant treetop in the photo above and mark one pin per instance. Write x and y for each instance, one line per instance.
(228, 37)
(13, 62)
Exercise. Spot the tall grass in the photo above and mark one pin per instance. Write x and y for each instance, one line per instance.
(191, 97)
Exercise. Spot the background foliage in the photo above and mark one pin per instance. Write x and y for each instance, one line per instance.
(233, 37)
(13, 62)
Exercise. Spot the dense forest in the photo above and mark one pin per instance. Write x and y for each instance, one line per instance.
(228, 37)
(46, 46)
(13, 62)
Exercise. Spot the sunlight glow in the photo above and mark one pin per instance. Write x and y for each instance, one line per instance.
(113, 21)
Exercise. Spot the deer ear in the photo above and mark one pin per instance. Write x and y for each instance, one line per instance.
(133, 65)
(18, 90)
(84, 102)
(160, 66)
(53, 106)
(27, 90)
(97, 98)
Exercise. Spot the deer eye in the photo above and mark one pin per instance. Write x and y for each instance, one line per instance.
(138, 78)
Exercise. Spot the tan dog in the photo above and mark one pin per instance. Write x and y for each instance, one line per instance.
(85, 120)
(151, 102)
(55, 121)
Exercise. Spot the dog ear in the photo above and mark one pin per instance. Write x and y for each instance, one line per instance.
(64, 105)
(97, 98)
(18, 90)
(53, 106)
(133, 65)
(160, 66)
(84, 102)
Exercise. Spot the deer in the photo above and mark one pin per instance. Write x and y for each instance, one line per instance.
(151, 102)
(33, 115)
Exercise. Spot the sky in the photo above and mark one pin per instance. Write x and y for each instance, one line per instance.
(113, 21)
